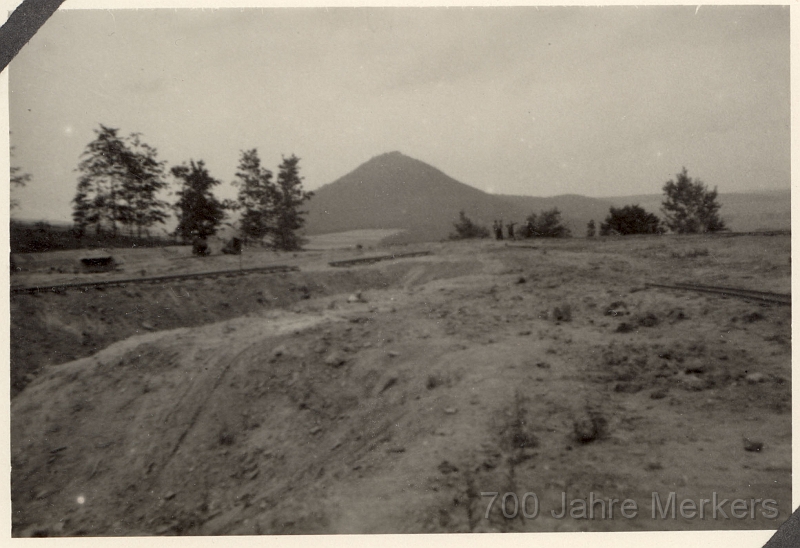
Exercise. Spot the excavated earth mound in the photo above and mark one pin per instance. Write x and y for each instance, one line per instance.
(486, 369)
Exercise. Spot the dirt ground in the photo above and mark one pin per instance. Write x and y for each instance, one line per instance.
(391, 398)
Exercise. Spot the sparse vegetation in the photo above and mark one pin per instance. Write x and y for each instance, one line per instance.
(562, 313)
(433, 381)
(518, 430)
(467, 229)
(590, 426)
(226, 437)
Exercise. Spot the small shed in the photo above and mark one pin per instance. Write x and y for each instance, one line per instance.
(98, 264)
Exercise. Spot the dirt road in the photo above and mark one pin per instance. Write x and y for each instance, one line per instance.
(288, 404)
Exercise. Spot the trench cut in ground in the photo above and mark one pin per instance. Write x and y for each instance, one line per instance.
(387, 398)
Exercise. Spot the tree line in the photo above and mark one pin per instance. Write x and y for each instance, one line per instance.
(121, 179)
(689, 207)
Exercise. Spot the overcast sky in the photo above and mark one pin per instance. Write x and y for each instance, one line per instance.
(597, 101)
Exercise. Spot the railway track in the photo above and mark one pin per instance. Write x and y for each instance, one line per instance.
(153, 279)
(19, 290)
(761, 233)
(751, 294)
(378, 258)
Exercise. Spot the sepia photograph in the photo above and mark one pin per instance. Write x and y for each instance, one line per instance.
(400, 270)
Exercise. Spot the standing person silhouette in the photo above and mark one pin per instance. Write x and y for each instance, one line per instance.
(510, 227)
(498, 229)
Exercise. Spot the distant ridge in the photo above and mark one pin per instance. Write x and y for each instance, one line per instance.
(395, 191)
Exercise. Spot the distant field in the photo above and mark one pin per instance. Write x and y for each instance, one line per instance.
(351, 238)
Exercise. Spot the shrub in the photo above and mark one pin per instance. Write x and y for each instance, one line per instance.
(631, 219)
(562, 313)
(547, 224)
(467, 229)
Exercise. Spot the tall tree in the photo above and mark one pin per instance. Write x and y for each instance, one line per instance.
(145, 179)
(257, 196)
(102, 171)
(119, 183)
(288, 217)
(690, 207)
(198, 210)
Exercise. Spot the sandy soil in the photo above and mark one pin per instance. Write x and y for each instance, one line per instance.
(282, 404)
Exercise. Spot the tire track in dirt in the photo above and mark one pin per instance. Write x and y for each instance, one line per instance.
(394, 414)
(200, 408)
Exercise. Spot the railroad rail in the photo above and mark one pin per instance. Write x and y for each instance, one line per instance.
(754, 233)
(378, 258)
(762, 296)
(152, 279)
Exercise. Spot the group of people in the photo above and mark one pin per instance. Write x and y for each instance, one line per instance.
(497, 227)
